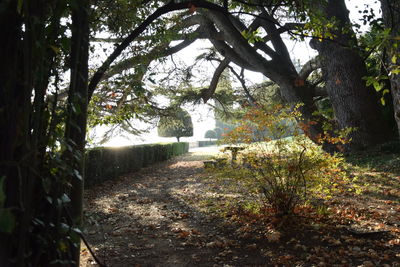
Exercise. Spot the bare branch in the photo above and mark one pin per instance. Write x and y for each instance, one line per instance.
(206, 94)
(252, 100)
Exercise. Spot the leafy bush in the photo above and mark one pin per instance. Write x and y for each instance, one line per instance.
(285, 171)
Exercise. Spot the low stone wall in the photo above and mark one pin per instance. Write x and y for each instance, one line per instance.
(106, 163)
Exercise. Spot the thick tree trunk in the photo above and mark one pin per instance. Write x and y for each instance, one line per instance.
(297, 91)
(391, 17)
(75, 129)
(355, 105)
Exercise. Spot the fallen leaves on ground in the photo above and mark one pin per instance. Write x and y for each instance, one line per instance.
(177, 215)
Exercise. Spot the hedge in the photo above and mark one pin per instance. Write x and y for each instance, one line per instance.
(106, 163)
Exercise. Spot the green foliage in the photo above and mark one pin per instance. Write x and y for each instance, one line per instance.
(286, 171)
(210, 134)
(376, 42)
(252, 36)
(177, 125)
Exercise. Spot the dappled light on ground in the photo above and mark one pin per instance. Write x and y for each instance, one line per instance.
(176, 214)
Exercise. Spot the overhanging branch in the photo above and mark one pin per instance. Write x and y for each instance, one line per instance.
(171, 6)
(153, 54)
(206, 94)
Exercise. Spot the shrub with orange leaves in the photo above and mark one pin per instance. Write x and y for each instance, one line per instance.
(278, 162)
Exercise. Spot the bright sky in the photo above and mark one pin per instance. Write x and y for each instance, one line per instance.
(202, 116)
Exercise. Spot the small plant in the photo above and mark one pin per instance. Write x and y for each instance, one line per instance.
(279, 163)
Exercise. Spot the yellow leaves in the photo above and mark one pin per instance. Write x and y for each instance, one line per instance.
(394, 59)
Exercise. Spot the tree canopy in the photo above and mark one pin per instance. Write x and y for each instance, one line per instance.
(211, 134)
(178, 125)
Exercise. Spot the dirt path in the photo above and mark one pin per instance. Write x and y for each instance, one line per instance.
(146, 219)
(161, 216)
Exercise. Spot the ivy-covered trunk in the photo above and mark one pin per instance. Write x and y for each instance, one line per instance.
(24, 69)
(355, 105)
(75, 128)
(32, 215)
(391, 17)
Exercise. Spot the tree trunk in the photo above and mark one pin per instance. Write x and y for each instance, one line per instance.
(297, 91)
(391, 17)
(177, 138)
(355, 105)
(75, 129)
(13, 121)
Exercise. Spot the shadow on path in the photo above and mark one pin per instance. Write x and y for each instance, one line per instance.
(146, 219)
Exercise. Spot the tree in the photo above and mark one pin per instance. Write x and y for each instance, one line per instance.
(391, 18)
(42, 136)
(210, 134)
(76, 121)
(239, 40)
(355, 105)
(178, 125)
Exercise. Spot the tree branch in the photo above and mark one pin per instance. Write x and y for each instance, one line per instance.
(206, 94)
(269, 25)
(252, 100)
(171, 6)
(309, 67)
(238, 42)
(153, 54)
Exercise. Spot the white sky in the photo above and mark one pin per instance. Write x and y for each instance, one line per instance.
(202, 116)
